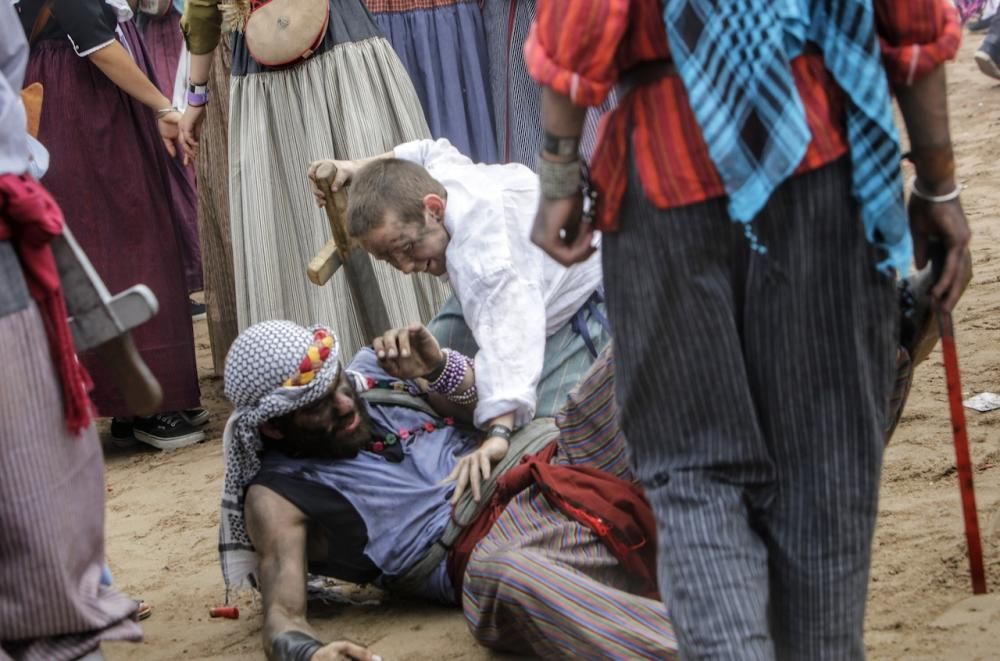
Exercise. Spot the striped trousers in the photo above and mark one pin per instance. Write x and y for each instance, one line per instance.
(53, 606)
(540, 583)
(753, 391)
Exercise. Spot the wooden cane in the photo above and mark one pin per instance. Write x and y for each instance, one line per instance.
(358, 269)
(963, 463)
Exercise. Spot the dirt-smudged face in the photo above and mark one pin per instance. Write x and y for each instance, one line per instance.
(412, 247)
(333, 427)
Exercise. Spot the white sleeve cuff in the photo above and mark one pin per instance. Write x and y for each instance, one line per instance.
(523, 408)
(90, 50)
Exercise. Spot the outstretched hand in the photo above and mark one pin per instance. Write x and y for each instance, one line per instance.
(342, 649)
(409, 352)
(944, 222)
(559, 230)
(341, 173)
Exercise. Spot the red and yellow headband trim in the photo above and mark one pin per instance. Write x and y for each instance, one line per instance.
(315, 358)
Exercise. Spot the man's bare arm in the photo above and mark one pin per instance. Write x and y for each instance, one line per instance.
(278, 531)
(924, 106)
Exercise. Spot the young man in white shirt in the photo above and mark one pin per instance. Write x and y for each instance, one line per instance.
(533, 325)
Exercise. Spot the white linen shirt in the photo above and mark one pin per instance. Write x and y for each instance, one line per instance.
(513, 295)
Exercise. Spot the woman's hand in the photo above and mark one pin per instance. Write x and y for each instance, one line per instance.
(475, 467)
(169, 127)
(190, 127)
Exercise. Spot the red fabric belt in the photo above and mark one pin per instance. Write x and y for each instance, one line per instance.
(616, 510)
(30, 219)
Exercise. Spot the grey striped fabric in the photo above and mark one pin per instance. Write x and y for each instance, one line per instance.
(539, 583)
(213, 210)
(753, 392)
(516, 96)
(352, 101)
(52, 606)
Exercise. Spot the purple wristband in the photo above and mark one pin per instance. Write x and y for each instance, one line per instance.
(197, 100)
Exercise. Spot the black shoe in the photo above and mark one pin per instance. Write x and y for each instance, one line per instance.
(981, 24)
(197, 417)
(167, 431)
(197, 309)
(121, 433)
(988, 55)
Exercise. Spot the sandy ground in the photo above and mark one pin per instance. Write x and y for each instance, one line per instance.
(163, 507)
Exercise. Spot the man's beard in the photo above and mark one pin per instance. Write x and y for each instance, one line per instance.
(307, 443)
(321, 445)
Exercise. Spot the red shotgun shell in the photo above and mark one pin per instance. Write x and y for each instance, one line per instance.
(228, 612)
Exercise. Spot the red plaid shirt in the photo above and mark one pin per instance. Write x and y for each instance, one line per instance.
(580, 48)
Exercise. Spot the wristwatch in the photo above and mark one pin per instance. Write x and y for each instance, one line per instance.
(197, 95)
(502, 431)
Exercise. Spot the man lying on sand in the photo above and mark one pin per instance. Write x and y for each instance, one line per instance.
(364, 475)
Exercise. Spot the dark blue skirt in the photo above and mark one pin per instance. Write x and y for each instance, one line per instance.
(442, 44)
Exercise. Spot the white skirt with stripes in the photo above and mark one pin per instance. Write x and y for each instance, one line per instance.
(352, 101)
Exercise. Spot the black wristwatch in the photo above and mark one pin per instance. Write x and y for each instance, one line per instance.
(560, 146)
(503, 431)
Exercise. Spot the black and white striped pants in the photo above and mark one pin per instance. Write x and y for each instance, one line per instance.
(753, 391)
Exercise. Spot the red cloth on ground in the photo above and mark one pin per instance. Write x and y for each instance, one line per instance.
(30, 219)
(616, 510)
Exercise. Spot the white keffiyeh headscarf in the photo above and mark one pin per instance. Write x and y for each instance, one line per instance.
(273, 368)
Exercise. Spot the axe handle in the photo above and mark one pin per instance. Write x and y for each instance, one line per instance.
(358, 269)
(137, 384)
(336, 214)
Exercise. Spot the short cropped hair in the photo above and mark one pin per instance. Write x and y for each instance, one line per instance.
(388, 185)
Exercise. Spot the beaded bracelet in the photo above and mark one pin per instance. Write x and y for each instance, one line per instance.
(467, 397)
(451, 376)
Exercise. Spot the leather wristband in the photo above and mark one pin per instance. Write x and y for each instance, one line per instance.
(560, 146)
(501, 431)
(294, 646)
(558, 180)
